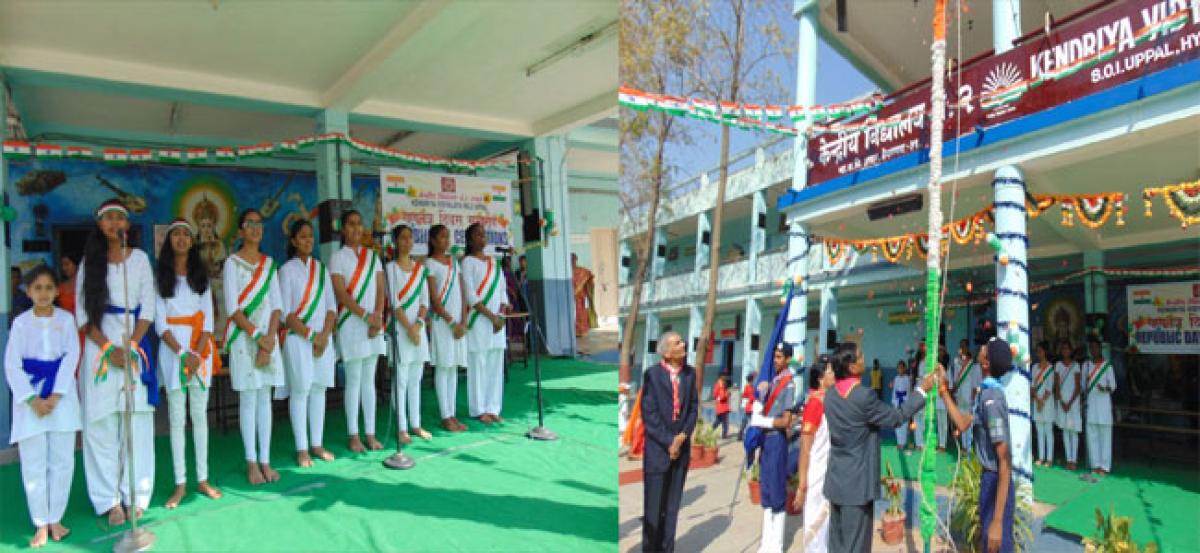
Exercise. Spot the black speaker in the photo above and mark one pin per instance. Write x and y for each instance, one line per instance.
(329, 212)
(754, 342)
(525, 184)
(706, 238)
(532, 226)
(652, 346)
(762, 220)
(830, 339)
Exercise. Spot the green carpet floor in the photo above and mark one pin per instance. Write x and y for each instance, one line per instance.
(1163, 499)
(490, 489)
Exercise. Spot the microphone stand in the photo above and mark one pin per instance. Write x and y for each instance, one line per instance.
(540, 432)
(398, 460)
(134, 539)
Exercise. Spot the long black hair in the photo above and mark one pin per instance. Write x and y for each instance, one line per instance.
(164, 270)
(95, 277)
(433, 232)
(342, 222)
(297, 225)
(475, 227)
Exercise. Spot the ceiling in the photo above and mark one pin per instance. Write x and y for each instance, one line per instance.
(876, 44)
(439, 77)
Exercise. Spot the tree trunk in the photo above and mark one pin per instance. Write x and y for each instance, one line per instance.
(710, 303)
(624, 370)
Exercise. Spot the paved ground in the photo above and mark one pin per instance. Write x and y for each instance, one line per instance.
(706, 522)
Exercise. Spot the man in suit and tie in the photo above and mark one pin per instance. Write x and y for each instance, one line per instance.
(855, 415)
(669, 408)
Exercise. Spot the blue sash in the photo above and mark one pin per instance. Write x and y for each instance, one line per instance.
(149, 373)
(43, 372)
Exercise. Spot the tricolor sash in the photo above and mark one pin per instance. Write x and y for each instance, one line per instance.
(444, 294)
(963, 374)
(42, 372)
(195, 321)
(359, 281)
(310, 300)
(1097, 373)
(412, 289)
(1042, 376)
(251, 297)
(486, 289)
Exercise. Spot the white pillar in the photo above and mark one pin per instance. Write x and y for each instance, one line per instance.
(550, 290)
(1012, 304)
(695, 327)
(703, 243)
(795, 332)
(752, 340)
(333, 178)
(829, 318)
(650, 342)
(1006, 24)
(758, 230)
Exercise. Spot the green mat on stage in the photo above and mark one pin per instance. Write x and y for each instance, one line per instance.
(488, 489)
(1162, 499)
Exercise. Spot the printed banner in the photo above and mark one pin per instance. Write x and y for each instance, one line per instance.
(1165, 317)
(1099, 51)
(422, 199)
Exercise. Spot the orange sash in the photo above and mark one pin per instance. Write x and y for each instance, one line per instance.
(196, 322)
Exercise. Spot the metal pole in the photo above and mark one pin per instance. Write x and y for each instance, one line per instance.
(134, 539)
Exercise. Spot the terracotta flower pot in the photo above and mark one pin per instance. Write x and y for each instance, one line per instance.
(710, 455)
(755, 495)
(697, 451)
(893, 528)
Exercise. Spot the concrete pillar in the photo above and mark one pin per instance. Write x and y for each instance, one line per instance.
(829, 318)
(695, 328)
(550, 288)
(1006, 24)
(1012, 305)
(795, 332)
(650, 342)
(752, 339)
(5, 284)
(758, 230)
(333, 179)
(703, 243)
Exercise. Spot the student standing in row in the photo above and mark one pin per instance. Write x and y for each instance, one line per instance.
(358, 284)
(1045, 407)
(1099, 386)
(254, 305)
(1070, 386)
(39, 363)
(448, 301)
(409, 280)
(187, 353)
(115, 300)
(488, 297)
(310, 314)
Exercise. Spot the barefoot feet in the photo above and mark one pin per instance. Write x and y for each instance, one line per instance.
(303, 459)
(58, 531)
(269, 473)
(356, 444)
(116, 516)
(322, 454)
(421, 433)
(207, 489)
(40, 537)
(403, 438)
(176, 496)
(373, 444)
(254, 474)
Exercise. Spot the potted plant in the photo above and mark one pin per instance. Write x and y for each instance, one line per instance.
(893, 517)
(697, 460)
(964, 514)
(1112, 536)
(710, 444)
(793, 488)
(752, 483)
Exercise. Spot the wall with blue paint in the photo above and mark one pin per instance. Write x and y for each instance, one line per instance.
(590, 210)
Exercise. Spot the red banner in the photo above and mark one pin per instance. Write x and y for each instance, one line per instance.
(1101, 50)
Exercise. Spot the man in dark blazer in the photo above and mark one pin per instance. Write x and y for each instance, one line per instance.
(669, 408)
(855, 415)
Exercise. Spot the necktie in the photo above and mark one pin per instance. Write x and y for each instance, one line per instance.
(674, 391)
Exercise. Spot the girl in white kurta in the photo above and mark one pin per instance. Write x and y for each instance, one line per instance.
(357, 277)
(39, 363)
(1045, 407)
(187, 354)
(1099, 384)
(102, 311)
(310, 314)
(254, 305)
(967, 378)
(409, 284)
(448, 302)
(1070, 389)
(487, 294)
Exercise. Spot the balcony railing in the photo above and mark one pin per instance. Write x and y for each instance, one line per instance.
(733, 277)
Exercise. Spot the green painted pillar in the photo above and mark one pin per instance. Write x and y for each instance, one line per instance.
(333, 180)
(551, 294)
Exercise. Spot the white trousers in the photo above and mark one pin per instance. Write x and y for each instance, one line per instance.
(902, 434)
(307, 412)
(485, 382)
(198, 409)
(408, 395)
(1045, 432)
(446, 382)
(104, 462)
(1071, 445)
(47, 466)
(1099, 444)
(941, 428)
(360, 387)
(254, 418)
(772, 532)
(816, 523)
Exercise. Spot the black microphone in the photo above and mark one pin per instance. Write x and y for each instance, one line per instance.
(504, 249)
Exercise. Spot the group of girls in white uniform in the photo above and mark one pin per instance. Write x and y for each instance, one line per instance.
(286, 326)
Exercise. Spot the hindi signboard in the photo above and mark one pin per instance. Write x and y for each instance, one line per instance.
(422, 199)
(1165, 317)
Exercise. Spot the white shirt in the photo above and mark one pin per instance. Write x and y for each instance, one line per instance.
(184, 303)
(302, 369)
(243, 373)
(1069, 419)
(1099, 402)
(476, 274)
(46, 339)
(444, 349)
(1049, 412)
(105, 397)
(352, 336)
(398, 279)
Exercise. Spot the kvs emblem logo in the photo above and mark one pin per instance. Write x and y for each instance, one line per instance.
(448, 184)
(1002, 86)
